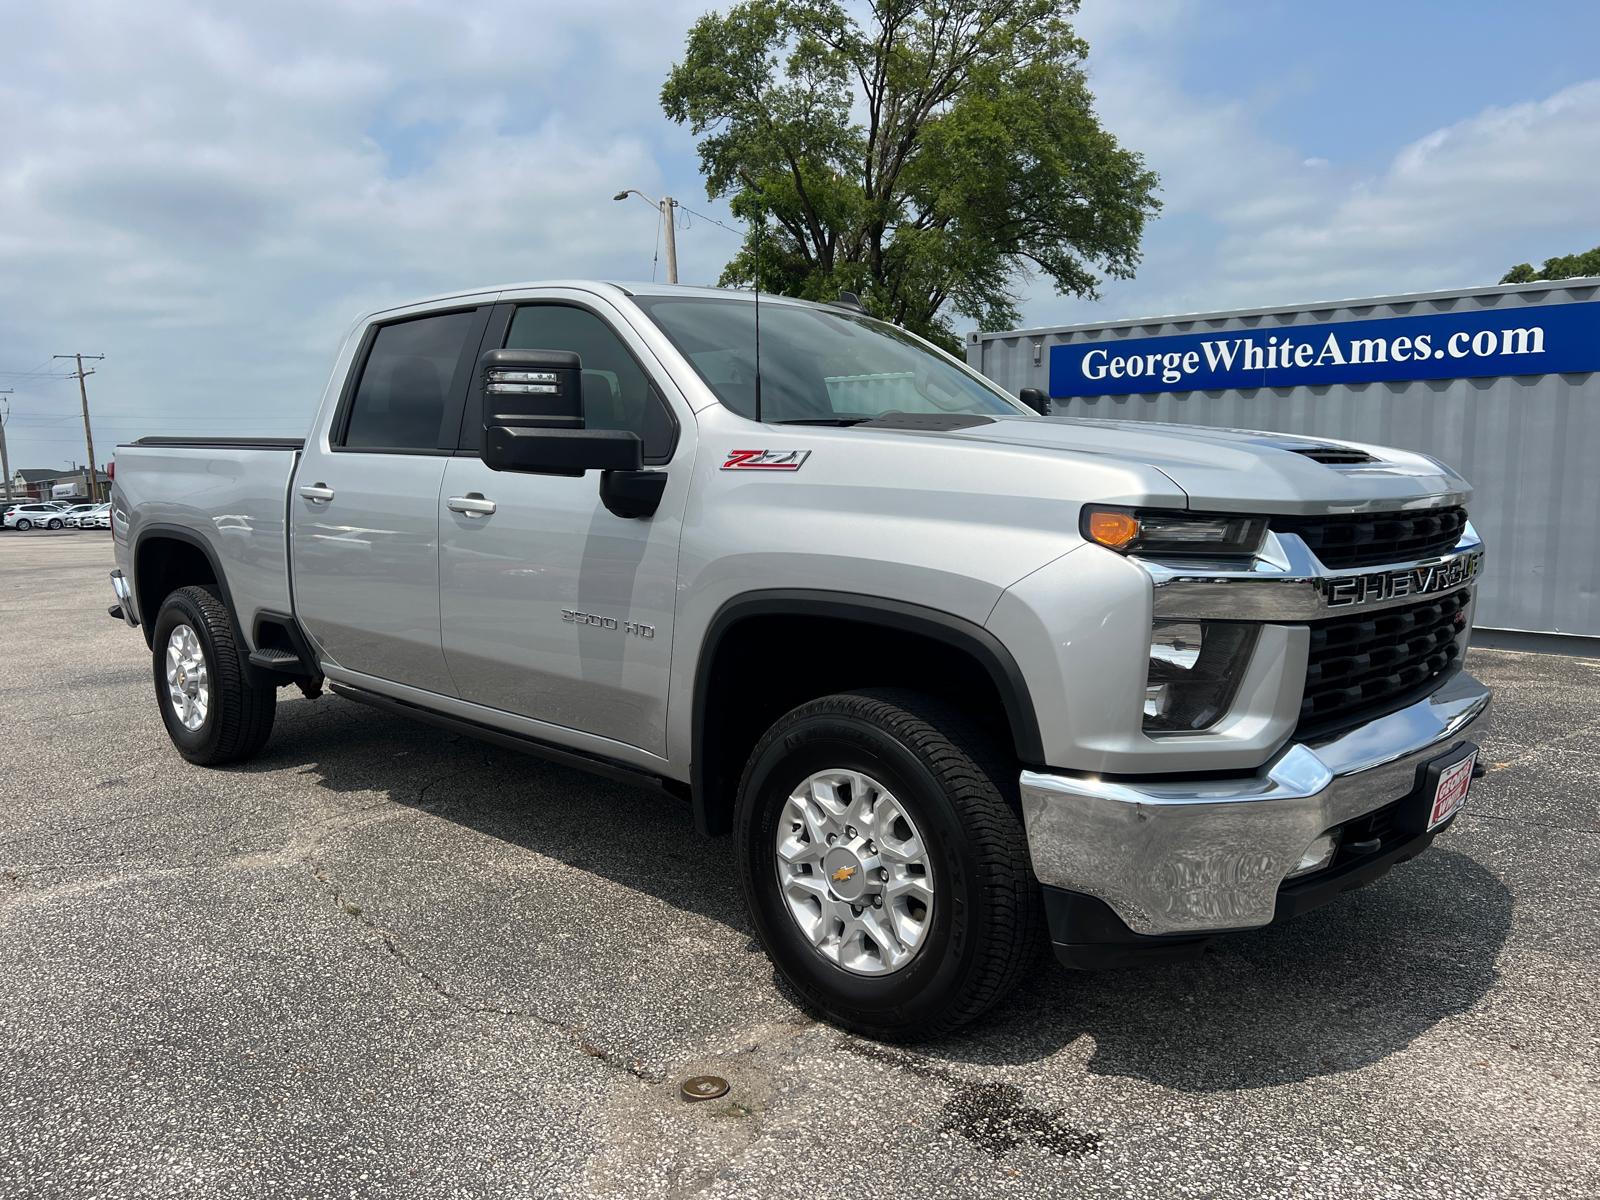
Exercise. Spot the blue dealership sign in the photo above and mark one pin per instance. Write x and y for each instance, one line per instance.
(1525, 340)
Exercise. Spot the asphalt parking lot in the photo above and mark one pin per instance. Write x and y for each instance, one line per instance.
(381, 960)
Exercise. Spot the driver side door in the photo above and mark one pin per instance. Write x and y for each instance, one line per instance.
(551, 606)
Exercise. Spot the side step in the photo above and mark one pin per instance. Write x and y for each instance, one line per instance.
(273, 659)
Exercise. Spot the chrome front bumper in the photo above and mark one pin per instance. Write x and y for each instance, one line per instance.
(1190, 856)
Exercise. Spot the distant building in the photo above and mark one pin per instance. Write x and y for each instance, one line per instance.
(41, 483)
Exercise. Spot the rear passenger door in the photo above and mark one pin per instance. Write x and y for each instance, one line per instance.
(552, 607)
(364, 511)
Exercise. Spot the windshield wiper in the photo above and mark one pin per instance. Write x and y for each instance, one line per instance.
(825, 421)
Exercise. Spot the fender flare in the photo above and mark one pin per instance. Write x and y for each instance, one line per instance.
(254, 675)
(957, 632)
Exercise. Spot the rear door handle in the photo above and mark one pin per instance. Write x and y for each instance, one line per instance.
(471, 506)
(317, 493)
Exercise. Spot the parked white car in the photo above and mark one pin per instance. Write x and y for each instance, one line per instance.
(73, 516)
(100, 518)
(41, 515)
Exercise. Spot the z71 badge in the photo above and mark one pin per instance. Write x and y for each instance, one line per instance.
(765, 460)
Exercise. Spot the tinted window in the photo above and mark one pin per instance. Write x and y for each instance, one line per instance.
(818, 365)
(616, 392)
(400, 401)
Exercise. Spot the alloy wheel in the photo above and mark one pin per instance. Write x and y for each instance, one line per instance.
(854, 872)
(188, 680)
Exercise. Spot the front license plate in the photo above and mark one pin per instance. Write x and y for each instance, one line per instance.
(1451, 793)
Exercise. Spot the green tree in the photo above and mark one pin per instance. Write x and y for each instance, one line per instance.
(1568, 266)
(930, 160)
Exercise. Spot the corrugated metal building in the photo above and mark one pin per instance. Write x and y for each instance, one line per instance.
(1498, 382)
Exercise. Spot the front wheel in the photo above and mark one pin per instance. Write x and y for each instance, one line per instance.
(55, 523)
(886, 873)
(211, 712)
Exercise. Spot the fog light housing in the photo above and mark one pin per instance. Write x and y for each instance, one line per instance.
(1194, 673)
(1317, 855)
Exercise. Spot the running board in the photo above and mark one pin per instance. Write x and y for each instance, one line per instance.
(594, 764)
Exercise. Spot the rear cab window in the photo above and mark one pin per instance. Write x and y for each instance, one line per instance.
(412, 381)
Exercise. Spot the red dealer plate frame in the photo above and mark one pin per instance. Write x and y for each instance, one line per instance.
(1455, 781)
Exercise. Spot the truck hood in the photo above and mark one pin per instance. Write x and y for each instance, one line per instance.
(1247, 470)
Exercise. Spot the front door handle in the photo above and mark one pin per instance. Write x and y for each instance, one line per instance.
(317, 493)
(472, 505)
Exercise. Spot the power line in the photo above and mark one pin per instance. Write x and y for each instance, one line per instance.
(713, 220)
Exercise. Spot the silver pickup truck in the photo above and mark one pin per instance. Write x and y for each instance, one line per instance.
(957, 677)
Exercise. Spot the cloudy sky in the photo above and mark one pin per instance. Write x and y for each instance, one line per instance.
(208, 193)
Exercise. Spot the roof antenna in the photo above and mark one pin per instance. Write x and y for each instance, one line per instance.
(760, 223)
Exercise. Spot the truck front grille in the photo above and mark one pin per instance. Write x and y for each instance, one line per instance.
(1369, 539)
(1367, 661)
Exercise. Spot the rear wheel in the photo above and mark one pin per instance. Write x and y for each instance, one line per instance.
(886, 873)
(211, 712)
(24, 524)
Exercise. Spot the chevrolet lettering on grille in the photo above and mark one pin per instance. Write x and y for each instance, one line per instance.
(1346, 590)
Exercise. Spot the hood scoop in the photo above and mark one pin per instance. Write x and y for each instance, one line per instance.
(1334, 456)
(926, 422)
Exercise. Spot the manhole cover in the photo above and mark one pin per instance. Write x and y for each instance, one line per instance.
(704, 1087)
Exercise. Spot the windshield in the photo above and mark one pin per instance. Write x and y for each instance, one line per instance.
(817, 366)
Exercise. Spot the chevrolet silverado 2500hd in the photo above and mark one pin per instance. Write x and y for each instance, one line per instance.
(958, 678)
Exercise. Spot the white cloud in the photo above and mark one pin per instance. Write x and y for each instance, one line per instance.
(209, 193)
(1249, 221)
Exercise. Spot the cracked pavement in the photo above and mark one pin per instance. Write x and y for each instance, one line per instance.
(383, 960)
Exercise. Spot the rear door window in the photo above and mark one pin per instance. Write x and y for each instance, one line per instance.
(410, 374)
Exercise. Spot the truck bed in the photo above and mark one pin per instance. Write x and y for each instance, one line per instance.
(230, 495)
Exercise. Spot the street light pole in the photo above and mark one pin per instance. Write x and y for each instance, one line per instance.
(665, 207)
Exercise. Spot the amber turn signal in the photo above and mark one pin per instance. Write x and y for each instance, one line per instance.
(1114, 529)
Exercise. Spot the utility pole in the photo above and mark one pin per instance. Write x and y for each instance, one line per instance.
(88, 437)
(5, 461)
(665, 206)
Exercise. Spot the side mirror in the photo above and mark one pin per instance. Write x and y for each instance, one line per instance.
(533, 419)
(533, 422)
(561, 451)
(1036, 400)
(541, 389)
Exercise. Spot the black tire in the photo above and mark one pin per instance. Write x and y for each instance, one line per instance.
(23, 524)
(239, 717)
(55, 523)
(987, 926)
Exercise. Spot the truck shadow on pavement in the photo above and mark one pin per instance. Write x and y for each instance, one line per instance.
(1338, 989)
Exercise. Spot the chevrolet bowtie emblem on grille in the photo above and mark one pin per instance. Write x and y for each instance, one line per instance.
(843, 873)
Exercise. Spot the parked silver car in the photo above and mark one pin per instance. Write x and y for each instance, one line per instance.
(73, 515)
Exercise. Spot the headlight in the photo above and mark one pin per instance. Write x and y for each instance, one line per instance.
(1162, 531)
(1195, 668)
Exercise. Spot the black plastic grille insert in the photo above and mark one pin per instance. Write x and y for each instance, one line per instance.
(1367, 660)
(1368, 539)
